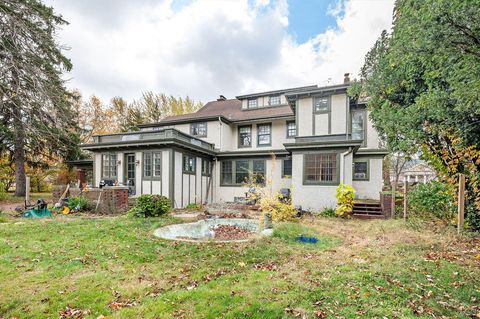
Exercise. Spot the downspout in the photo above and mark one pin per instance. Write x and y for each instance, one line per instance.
(221, 129)
(342, 163)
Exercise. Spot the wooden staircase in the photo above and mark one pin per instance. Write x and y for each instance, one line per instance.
(368, 209)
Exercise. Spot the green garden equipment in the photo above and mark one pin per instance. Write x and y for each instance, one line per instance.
(39, 210)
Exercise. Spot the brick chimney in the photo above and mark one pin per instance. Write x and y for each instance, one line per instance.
(346, 78)
(221, 98)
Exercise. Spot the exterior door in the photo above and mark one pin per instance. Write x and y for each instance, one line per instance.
(130, 173)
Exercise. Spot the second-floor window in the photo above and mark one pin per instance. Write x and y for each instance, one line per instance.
(198, 129)
(244, 136)
(274, 100)
(291, 129)
(320, 104)
(358, 125)
(264, 134)
(252, 103)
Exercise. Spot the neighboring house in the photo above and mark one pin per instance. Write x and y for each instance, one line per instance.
(318, 136)
(416, 171)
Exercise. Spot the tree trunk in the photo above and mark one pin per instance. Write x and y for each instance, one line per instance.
(19, 153)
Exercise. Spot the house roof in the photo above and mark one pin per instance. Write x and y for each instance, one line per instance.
(228, 111)
(231, 110)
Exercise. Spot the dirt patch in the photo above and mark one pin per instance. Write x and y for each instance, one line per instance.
(230, 232)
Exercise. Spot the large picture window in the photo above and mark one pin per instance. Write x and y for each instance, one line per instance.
(198, 129)
(291, 129)
(360, 170)
(321, 168)
(109, 166)
(239, 172)
(152, 164)
(358, 125)
(264, 132)
(189, 164)
(245, 136)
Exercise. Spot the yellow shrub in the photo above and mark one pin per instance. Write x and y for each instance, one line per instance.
(345, 195)
(279, 210)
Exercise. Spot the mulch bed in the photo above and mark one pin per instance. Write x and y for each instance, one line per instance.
(229, 232)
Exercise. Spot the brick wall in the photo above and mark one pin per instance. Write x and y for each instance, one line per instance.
(386, 202)
(113, 199)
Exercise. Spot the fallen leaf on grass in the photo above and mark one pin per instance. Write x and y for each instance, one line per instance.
(297, 312)
(266, 266)
(115, 305)
(192, 285)
(75, 313)
(320, 314)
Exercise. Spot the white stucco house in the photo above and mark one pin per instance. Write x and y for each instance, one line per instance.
(318, 135)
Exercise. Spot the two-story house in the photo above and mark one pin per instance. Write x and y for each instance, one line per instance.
(308, 139)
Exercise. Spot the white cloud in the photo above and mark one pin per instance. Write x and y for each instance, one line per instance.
(206, 48)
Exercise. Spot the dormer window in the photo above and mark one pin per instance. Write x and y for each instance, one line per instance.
(274, 100)
(252, 104)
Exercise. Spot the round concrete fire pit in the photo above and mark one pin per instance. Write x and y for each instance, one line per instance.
(215, 230)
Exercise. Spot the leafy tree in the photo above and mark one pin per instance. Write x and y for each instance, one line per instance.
(150, 108)
(35, 110)
(423, 86)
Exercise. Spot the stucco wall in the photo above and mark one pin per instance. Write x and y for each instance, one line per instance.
(310, 197)
(370, 189)
(338, 119)
(278, 136)
(372, 134)
(304, 117)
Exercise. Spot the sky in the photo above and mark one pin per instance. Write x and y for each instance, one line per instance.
(204, 48)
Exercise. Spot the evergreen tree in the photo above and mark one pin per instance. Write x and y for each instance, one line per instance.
(35, 109)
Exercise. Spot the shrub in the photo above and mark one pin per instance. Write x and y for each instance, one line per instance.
(193, 206)
(151, 206)
(3, 193)
(328, 212)
(78, 203)
(345, 195)
(280, 210)
(433, 198)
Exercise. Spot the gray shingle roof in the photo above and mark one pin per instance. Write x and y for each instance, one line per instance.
(230, 110)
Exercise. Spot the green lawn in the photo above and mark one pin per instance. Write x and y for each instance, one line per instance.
(114, 267)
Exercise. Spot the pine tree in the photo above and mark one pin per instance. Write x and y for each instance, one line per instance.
(35, 108)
